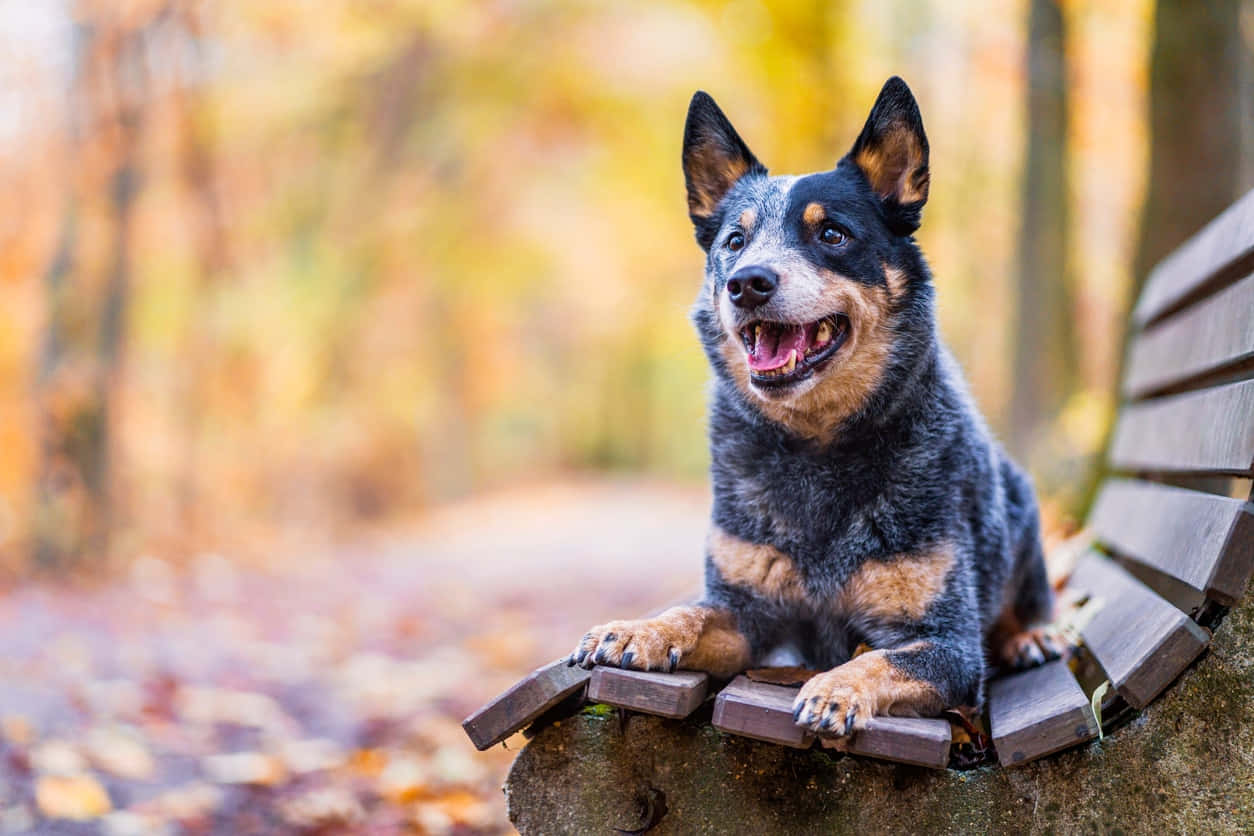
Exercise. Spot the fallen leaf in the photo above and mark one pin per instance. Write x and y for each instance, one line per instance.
(17, 730)
(312, 755)
(244, 768)
(119, 753)
(1096, 702)
(322, 808)
(782, 675)
(57, 757)
(129, 823)
(368, 762)
(77, 797)
(187, 803)
(404, 778)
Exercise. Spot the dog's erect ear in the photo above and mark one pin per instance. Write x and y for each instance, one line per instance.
(892, 152)
(715, 157)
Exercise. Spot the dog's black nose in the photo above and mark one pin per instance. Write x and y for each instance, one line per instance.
(752, 286)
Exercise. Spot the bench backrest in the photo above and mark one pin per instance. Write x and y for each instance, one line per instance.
(1188, 412)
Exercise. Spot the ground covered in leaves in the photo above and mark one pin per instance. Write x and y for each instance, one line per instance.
(319, 692)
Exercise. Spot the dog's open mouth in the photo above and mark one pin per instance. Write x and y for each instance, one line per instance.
(785, 352)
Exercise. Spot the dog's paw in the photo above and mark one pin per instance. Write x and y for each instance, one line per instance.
(1030, 648)
(644, 645)
(833, 703)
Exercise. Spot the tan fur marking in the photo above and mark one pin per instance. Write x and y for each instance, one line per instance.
(868, 686)
(722, 649)
(896, 280)
(895, 167)
(711, 183)
(844, 386)
(706, 639)
(747, 219)
(1012, 644)
(900, 589)
(814, 214)
(764, 569)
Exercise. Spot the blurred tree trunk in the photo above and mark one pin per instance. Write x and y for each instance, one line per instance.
(80, 365)
(1201, 132)
(198, 168)
(1045, 357)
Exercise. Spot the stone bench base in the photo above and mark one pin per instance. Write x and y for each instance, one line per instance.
(1185, 765)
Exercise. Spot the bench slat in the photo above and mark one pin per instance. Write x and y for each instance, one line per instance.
(665, 694)
(524, 702)
(1222, 247)
(1211, 432)
(920, 741)
(764, 712)
(1038, 712)
(1214, 335)
(1204, 541)
(1142, 642)
(761, 711)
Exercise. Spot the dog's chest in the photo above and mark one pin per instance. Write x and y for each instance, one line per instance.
(820, 514)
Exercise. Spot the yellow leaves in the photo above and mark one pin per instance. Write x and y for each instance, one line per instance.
(77, 797)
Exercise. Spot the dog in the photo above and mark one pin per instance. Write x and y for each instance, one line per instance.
(858, 496)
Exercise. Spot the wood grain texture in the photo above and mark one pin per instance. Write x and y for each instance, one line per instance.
(1214, 334)
(524, 702)
(1038, 712)
(761, 711)
(921, 741)
(1202, 540)
(1141, 641)
(665, 694)
(1222, 248)
(1205, 432)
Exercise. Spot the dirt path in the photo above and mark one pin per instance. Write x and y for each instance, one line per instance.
(325, 693)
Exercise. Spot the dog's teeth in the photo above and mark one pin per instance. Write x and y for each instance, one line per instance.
(791, 364)
(757, 334)
(824, 333)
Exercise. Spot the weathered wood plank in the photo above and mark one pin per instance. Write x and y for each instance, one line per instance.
(666, 694)
(1223, 247)
(1038, 712)
(1208, 432)
(921, 741)
(1215, 334)
(1142, 642)
(1202, 540)
(761, 711)
(524, 702)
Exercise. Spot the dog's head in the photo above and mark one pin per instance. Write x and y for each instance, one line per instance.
(808, 278)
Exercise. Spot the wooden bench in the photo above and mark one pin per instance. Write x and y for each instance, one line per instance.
(1166, 553)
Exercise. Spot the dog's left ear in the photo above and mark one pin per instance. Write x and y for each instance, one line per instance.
(892, 152)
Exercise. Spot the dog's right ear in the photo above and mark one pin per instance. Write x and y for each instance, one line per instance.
(715, 157)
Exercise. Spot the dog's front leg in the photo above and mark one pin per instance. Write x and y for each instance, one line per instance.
(694, 636)
(923, 677)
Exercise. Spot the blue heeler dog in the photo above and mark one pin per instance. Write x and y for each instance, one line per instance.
(858, 495)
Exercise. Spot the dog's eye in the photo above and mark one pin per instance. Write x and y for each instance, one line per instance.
(831, 235)
(735, 241)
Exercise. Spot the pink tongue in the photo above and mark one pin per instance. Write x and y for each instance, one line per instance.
(775, 345)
